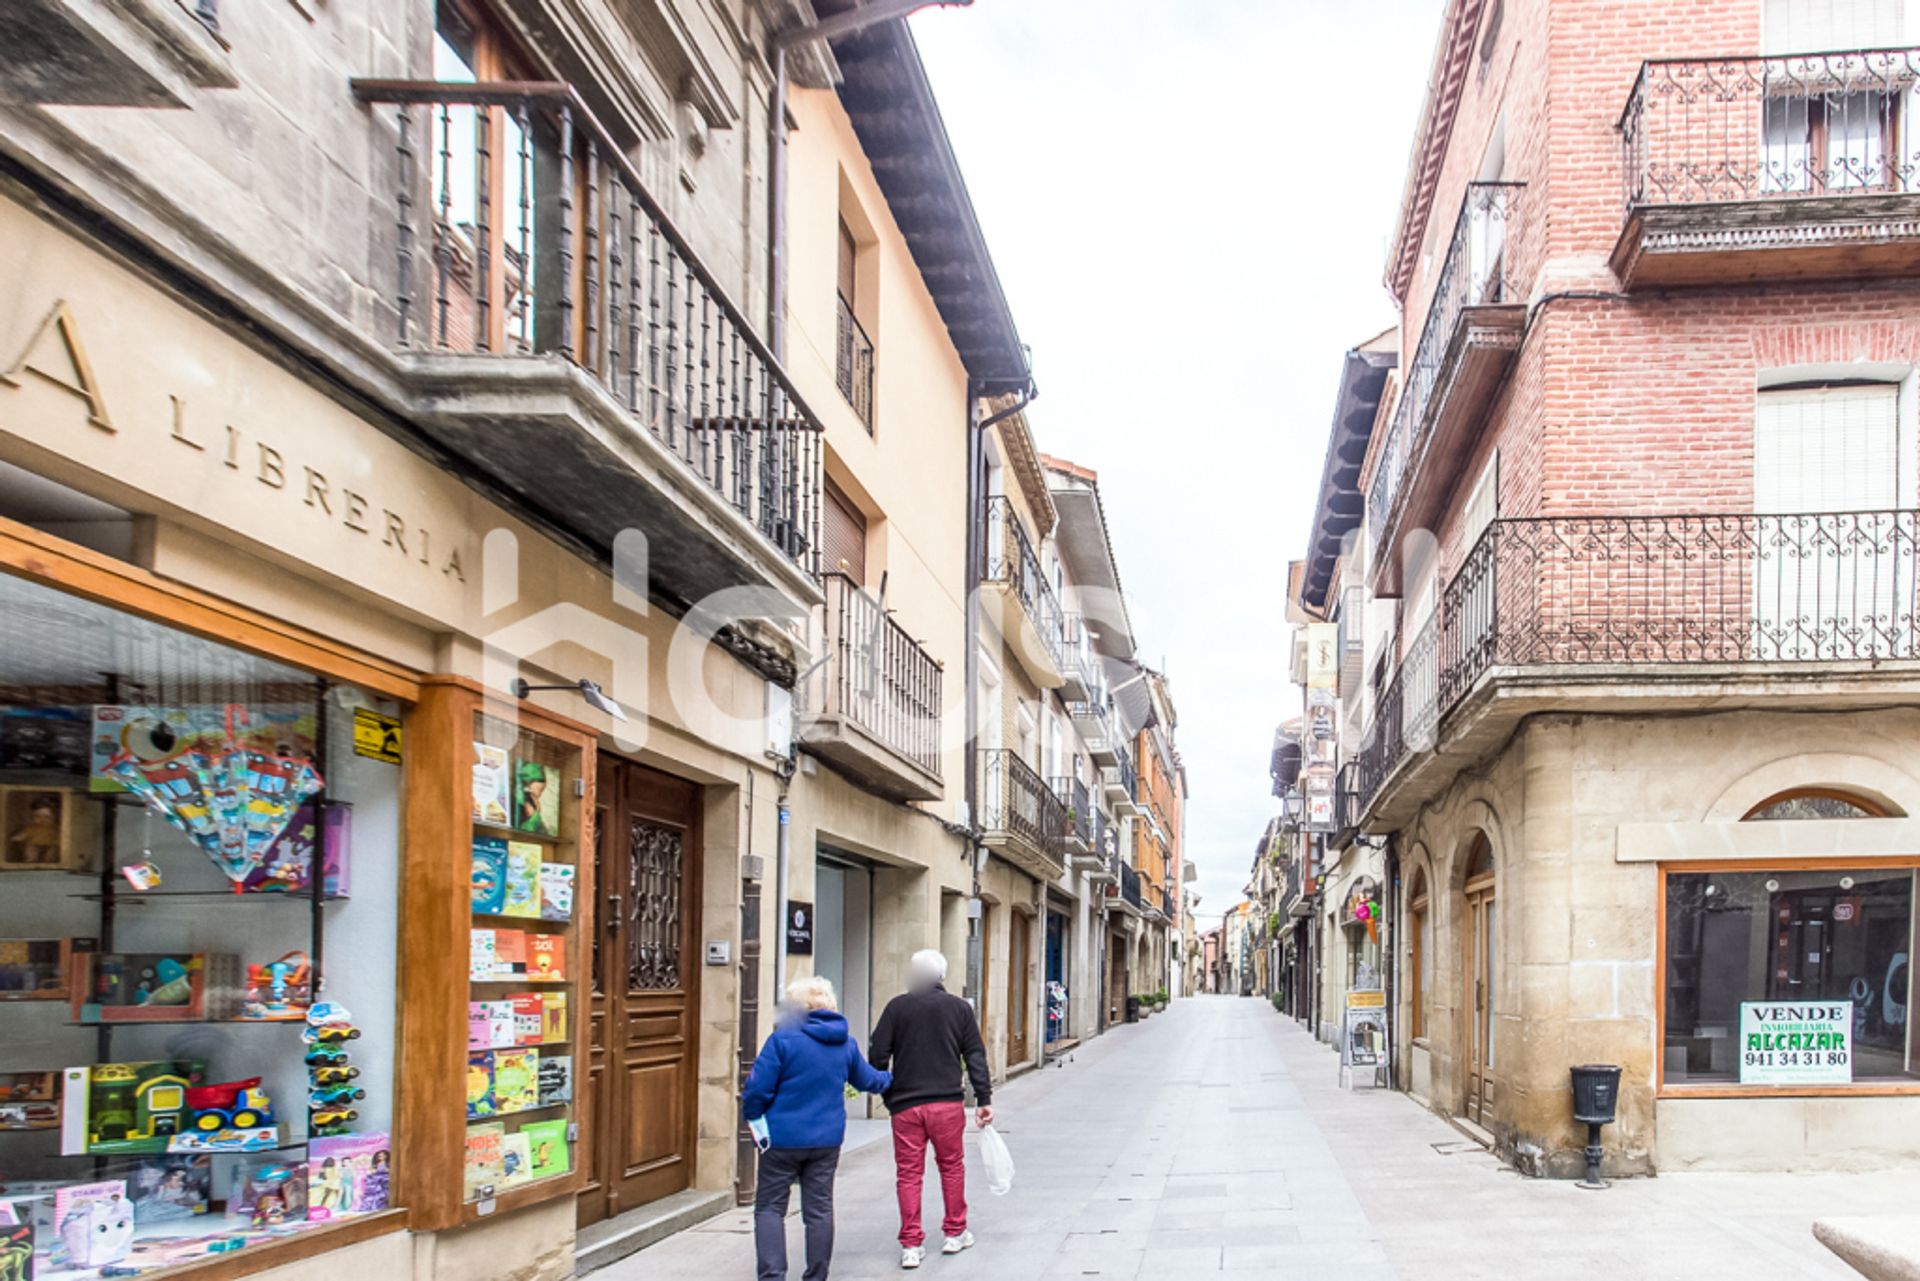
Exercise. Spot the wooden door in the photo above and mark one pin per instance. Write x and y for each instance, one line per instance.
(1481, 971)
(1116, 979)
(643, 1071)
(1019, 939)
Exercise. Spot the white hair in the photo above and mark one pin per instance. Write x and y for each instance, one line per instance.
(812, 993)
(927, 967)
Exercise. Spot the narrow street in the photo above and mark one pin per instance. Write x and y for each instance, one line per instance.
(1214, 1138)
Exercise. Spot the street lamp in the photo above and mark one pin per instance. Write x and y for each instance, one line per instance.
(1292, 805)
(587, 689)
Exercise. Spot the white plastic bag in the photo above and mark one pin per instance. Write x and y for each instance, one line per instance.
(999, 1161)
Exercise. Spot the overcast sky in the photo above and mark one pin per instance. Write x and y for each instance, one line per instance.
(1189, 202)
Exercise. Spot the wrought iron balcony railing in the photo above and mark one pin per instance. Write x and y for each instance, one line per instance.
(1735, 589)
(853, 364)
(1016, 802)
(876, 675)
(522, 228)
(1077, 821)
(1129, 887)
(1012, 562)
(1714, 130)
(1478, 271)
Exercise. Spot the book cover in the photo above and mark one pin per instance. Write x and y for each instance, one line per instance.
(509, 953)
(348, 1174)
(78, 1203)
(522, 896)
(482, 1101)
(556, 1079)
(556, 891)
(492, 783)
(173, 1187)
(479, 1025)
(529, 1018)
(536, 798)
(503, 1025)
(489, 876)
(482, 956)
(553, 1016)
(483, 1165)
(547, 1141)
(516, 1160)
(546, 956)
(516, 1081)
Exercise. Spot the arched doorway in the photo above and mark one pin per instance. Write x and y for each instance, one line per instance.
(1480, 970)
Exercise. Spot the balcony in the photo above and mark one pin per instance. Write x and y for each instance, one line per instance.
(1771, 168)
(1021, 820)
(853, 364)
(1102, 863)
(871, 703)
(1018, 598)
(563, 341)
(1645, 613)
(1092, 719)
(1079, 669)
(1076, 832)
(1123, 891)
(1122, 786)
(1350, 639)
(1472, 335)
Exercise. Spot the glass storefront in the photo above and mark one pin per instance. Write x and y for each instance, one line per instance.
(1790, 977)
(199, 886)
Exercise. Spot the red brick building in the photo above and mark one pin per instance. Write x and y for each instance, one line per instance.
(1638, 550)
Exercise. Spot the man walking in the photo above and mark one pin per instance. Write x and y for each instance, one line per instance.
(923, 1036)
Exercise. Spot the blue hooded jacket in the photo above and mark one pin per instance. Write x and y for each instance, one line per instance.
(799, 1081)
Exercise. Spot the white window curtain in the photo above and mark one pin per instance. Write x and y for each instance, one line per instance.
(1833, 559)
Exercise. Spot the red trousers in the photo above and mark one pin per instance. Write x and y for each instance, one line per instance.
(943, 1125)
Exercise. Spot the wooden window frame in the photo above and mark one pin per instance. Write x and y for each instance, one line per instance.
(1723, 1090)
(1417, 943)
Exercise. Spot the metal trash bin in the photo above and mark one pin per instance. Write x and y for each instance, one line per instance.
(1596, 1098)
(1133, 1009)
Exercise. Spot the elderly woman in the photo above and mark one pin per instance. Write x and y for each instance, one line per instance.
(798, 1088)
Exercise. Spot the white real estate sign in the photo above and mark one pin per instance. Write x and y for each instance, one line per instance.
(1796, 1042)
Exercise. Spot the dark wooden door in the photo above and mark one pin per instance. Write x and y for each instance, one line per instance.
(1482, 954)
(1019, 941)
(643, 1073)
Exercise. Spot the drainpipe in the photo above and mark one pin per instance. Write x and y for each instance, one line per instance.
(1390, 966)
(842, 24)
(977, 429)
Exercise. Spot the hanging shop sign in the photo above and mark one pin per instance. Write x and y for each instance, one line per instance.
(376, 735)
(1796, 1042)
(1323, 655)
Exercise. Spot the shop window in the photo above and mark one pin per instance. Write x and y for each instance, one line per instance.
(1420, 952)
(196, 1021)
(1789, 977)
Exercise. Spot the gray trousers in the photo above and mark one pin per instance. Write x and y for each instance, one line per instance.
(780, 1168)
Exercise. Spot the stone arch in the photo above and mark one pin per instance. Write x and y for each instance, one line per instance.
(1887, 786)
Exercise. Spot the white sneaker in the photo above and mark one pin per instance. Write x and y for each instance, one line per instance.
(912, 1256)
(955, 1245)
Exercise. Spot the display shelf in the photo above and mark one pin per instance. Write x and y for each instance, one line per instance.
(516, 834)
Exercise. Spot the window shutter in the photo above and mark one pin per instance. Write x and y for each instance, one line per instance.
(844, 534)
(1824, 26)
(1483, 504)
(1826, 449)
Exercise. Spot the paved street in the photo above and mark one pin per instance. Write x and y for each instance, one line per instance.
(1213, 1138)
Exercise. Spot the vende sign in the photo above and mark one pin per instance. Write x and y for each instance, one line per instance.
(1796, 1042)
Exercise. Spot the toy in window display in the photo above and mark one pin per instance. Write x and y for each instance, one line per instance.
(139, 1107)
(94, 1222)
(279, 990)
(36, 829)
(230, 1105)
(171, 1188)
(329, 1028)
(16, 1252)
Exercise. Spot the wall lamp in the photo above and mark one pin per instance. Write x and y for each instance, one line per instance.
(589, 690)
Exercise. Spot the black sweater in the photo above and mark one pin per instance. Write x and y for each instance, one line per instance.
(923, 1037)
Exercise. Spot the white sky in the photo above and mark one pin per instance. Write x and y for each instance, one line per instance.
(1189, 203)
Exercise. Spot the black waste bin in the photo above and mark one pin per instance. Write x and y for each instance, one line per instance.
(1133, 1009)
(1596, 1093)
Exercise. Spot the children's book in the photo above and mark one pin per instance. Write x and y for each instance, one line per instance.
(348, 1174)
(479, 1025)
(548, 1142)
(492, 784)
(556, 1079)
(516, 1080)
(82, 1210)
(553, 1022)
(529, 1018)
(482, 1101)
(556, 891)
(523, 879)
(536, 798)
(483, 1163)
(509, 953)
(503, 1025)
(489, 878)
(172, 1187)
(516, 1160)
(483, 956)
(546, 957)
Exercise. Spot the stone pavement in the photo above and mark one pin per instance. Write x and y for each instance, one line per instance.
(1214, 1138)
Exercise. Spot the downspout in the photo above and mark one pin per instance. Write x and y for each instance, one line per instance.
(977, 429)
(1390, 968)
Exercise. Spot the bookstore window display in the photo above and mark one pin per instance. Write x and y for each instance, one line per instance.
(524, 962)
(196, 1030)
